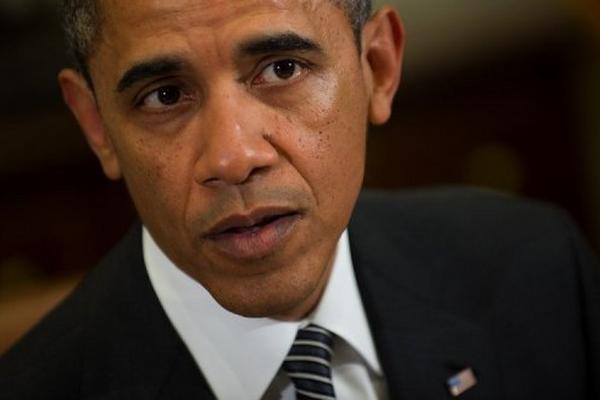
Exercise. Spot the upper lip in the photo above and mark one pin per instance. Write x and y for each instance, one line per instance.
(245, 220)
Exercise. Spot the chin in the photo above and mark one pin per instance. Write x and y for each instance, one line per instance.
(270, 300)
(288, 290)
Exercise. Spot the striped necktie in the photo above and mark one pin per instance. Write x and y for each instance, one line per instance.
(308, 364)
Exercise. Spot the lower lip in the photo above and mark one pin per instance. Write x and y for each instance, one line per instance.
(255, 243)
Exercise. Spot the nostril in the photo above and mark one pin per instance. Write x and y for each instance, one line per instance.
(236, 180)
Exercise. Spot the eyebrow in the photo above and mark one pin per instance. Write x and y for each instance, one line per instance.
(281, 42)
(149, 69)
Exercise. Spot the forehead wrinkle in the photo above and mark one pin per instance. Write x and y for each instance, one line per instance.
(158, 18)
(214, 13)
(182, 17)
(205, 13)
(210, 13)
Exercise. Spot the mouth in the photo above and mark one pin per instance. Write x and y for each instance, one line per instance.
(254, 235)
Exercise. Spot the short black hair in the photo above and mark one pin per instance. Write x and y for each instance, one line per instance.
(82, 22)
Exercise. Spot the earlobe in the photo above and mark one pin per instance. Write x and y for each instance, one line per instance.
(82, 103)
(383, 45)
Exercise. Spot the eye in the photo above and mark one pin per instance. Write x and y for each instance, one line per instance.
(280, 72)
(162, 97)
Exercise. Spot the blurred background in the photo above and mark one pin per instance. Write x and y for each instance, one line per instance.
(500, 94)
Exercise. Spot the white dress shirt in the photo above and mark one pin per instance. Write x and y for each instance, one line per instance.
(241, 357)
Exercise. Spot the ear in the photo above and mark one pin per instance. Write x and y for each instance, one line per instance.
(382, 50)
(82, 102)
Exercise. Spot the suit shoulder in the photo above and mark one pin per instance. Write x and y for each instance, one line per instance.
(473, 233)
(446, 201)
(48, 359)
(451, 213)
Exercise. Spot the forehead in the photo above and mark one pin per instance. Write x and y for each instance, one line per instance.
(137, 28)
(211, 12)
(156, 16)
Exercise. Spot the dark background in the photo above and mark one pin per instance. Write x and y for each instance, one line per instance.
(502, 95)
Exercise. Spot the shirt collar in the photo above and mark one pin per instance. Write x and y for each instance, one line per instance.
(341, 310)
(240, 356)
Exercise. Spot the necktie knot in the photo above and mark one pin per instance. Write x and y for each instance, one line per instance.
(308, 364)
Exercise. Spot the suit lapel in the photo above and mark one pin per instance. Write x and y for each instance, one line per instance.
(420, 345)
(133, 350)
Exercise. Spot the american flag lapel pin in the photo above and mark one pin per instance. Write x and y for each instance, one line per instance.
(461, 382)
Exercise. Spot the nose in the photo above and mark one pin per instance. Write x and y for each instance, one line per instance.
(235, 142)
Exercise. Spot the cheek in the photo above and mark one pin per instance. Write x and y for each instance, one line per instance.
(330, 135)
(332, 115)
(154, 178)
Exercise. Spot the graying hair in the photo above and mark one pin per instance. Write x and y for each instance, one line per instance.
(82, 21)
(81, 25)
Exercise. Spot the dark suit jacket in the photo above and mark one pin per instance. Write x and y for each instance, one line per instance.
(449, 279)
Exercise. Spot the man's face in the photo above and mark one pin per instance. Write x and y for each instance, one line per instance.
(239, 128)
